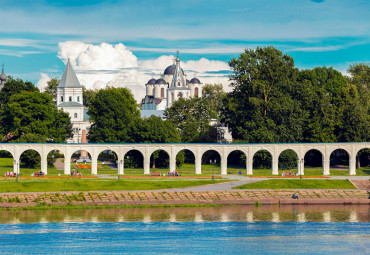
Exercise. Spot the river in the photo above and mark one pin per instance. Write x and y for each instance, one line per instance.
(209, 230)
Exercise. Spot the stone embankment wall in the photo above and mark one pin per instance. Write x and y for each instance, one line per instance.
(239, 197)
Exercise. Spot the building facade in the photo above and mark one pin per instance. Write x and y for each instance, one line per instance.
(70, 100)
(171, 86)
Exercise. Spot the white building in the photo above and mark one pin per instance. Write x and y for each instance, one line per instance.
(70, 100)
(171, 86)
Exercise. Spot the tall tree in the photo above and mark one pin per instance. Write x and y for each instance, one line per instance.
(34, 113)
(113, 112)
(262, 107)
(88, 95)
(14, 86)
(190, 116)
(51, 88)
(215, 94)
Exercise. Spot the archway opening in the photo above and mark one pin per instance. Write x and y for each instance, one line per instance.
(81, 163)
(30, 163)
(107, 162)
(236, 162)
(363, 162)
(185, 162)
(6, 163)
(262, 163)
(313, 163)
(339, 162)
(288, 162)
(211, 163)
(133, 163)
(55, 161)
(159, 162)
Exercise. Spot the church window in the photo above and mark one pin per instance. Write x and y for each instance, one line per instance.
(179, 95)
(196, 92)
(162, 92)
(70, 99)
(75, 115)
(78, 99)
(61, 98)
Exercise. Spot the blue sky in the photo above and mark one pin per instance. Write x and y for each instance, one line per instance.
(315, 32)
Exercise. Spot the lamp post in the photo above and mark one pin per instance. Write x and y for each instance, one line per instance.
(212, 162)
(121, 162)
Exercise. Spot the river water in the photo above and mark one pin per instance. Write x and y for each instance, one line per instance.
(209, 230)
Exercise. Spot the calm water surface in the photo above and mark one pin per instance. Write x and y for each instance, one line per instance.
(217, 230)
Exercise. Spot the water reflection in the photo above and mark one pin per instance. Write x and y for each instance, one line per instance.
(301, 213)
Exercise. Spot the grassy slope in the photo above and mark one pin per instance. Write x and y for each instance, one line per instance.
(299, 184)
(44, 185)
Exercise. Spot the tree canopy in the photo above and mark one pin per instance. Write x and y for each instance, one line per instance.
(113, 112)
(34, 113)
(14, 86)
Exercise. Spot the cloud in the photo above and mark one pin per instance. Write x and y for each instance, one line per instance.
(42, 83)
(99, 66)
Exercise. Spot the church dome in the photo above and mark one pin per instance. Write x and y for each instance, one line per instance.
(160, 81)
(151, 82)
(195, 81)
(170, 70)
(3, 76)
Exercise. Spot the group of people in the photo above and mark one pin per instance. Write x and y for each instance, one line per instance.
(75, 173)
(10, 174)
(173, 173)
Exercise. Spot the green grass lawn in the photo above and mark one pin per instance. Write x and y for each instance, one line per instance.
(46, 185)
(299, 184)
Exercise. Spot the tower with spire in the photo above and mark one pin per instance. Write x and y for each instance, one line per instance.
(2, 78)
(70, 100)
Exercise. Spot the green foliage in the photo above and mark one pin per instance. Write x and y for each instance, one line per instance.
(288, 160)
(34, 113)
(51, 88)
(88, 95)
(113, 112)
(14, 86)
(273, 102)
(190, 116)
(262, 160)
(214, 94)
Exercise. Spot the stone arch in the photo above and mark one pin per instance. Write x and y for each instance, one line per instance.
(55, 165)
(288, 160)
(81, 161)
(7, 162)
(363, 159)
(29, 161)
(313, 161)
(262, 161)
(160, 159)
(107, 161)
(133, 162)
(236, 161)
(211, 161)
(339, 160)
(185, 161)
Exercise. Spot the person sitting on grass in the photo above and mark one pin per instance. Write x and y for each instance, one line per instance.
(295, 196)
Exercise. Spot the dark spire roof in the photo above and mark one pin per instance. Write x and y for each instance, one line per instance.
(2, 75)
(170, 70)
(69, 78)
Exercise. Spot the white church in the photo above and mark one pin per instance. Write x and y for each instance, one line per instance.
(163, 92)
(70, 100)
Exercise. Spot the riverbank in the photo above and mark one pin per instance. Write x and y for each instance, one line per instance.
(190, 198)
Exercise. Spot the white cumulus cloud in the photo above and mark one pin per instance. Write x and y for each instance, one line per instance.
(99, 66)
(42, 83)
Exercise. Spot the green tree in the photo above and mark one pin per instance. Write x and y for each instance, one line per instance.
(215, 94)
(51, 88)
(14, 86)
(88, 95)
(34, 113)
(113, 112)
(190, 116)
(262, 106)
